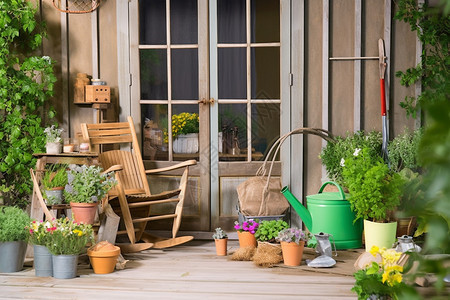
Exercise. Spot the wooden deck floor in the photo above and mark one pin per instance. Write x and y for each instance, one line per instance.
(191, 271)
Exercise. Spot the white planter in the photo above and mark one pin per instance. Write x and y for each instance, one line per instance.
(186, 143)
(53, 148)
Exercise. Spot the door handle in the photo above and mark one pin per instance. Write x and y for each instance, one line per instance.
(204, 101)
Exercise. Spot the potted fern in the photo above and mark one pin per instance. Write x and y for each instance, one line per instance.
(13, 237)
(54, 181)
(221, 238)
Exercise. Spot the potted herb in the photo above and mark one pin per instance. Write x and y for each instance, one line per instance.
(268, 230)
(185, 128)
(374, 194)
(53, 139)
(246, 232)
(39, 236)
(13, 236)
(292, 242)
(86, 186)
(54, 181)
(220, 238)
(334, 154)
(66, 242)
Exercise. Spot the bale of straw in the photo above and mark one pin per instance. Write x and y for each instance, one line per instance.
(267, 255)
(244, 254)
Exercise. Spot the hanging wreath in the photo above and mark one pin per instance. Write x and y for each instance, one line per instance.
(76, 6)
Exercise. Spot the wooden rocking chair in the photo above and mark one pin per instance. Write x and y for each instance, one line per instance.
(132, 191)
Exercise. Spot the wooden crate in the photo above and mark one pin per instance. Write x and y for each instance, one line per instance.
(98, 94)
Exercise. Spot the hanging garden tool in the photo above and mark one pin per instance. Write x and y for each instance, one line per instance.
(385, 131)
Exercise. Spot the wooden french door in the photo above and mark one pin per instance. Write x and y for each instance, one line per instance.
(220, 60)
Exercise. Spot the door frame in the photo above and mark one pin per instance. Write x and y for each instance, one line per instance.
(291, 92)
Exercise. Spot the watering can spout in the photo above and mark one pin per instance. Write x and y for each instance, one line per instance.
(299, 208)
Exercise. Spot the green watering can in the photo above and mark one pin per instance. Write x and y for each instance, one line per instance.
(330, 213)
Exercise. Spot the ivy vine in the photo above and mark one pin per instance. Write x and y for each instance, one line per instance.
(26, 83)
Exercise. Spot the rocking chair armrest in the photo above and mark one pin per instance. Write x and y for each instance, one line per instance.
(114, 168)
(183, 164)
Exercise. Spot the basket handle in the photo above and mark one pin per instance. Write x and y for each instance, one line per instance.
(341, 191)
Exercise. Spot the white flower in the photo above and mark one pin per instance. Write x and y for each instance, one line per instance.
(342, 162)
(357, 150)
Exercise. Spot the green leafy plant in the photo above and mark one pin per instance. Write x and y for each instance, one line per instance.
(55, 176)
(53, 134)
(40, 232)
(404, 151)
(69, 238)
(292, 234)
(374, 189)
(13, 222)
(432, 28)
(382, 280)
(268, 230)
(26, 83)
(219, 234)
(87, 184)
(333, 154)
(183, 123)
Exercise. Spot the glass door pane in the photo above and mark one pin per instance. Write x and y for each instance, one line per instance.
(169, 77)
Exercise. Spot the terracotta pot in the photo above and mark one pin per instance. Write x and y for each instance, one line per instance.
(84, 212)
(221, 246)
(292, 253)
(246, 239)
(103, 261)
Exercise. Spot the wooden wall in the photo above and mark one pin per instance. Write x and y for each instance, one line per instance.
(332, 89)
(342, 30)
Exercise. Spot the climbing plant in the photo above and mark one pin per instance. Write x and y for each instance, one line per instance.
(26, 83)
(432, 25)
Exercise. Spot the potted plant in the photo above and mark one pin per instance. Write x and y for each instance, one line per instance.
(39, 236)
(54, 181)
(380, 280)
(292, 242)
(268, 230)
(220, 238)
(185, 128)
(86, 186)
(334, 154)
(246, 232)
(375, 192)
(53, 139)
(13, 236)
(66, 242)
(404, 158)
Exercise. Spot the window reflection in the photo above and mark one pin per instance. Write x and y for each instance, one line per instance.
(154, 118)
(265, 126)
(153, 74)
(152, 22)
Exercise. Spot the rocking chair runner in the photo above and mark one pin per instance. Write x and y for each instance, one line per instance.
(132, 191)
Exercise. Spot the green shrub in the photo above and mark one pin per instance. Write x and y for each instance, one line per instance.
(404, 151)
(333, 154)
(13, 223)
(374, 189)
(268, 230)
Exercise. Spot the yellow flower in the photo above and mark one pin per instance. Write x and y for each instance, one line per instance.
(391, 278)
(374, 250)
(79, 232)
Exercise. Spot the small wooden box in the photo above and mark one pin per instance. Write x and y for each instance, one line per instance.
(98, 94)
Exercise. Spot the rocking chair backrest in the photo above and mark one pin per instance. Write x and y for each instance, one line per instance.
(133, 176)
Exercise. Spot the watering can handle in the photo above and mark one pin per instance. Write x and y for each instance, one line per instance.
(341, 192)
